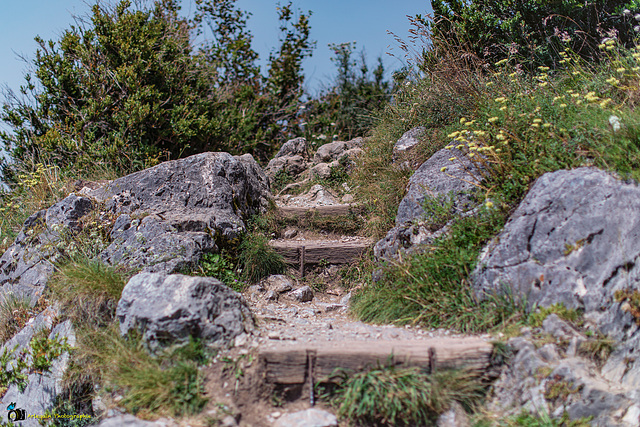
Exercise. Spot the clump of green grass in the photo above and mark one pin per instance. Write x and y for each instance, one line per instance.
(168, 384)
(598, 349)
(88, 290)
(257, 259)
(432, 290)
(537, 317)
(15, 311)
(393, 396)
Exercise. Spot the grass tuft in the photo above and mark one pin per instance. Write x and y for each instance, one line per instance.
(258, 259)
(88, 290)
(392, 396)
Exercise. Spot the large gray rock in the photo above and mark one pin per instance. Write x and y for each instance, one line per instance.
(575, 240)
(406, 144)
(414, 227)
(27, 264)
(335, 150)
(429, 181)
(170, 214)
(292, 158)
(43, 387)
(168, 309)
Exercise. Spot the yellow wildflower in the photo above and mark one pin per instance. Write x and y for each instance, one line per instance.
(443, 169)
(453, 134)
(451, 159)
(537, 120)
(503, 108)
(501, 99)
(489, 204)
(501, 62)
(621, 70)
(547, 125)
(493, 119)
(562, 105)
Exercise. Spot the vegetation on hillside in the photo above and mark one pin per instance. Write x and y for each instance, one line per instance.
(521, 90)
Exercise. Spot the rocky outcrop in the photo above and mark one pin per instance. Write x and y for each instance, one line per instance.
(27, 264)
(169, 309)
(161, 220)
(574, 240)
(406, 145)
(556, 379)
(168, 215)
(292, 158)
(451, 187)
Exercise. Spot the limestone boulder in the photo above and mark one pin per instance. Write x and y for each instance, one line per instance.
(407, 143)
(25, 267)
(335, 150)
(168, 309)
(169, 215)
(575, 240)
(292, 158)
(452, 186)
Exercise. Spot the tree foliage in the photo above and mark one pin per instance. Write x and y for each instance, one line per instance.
(127, 87)
(534, 31)
(348, 108)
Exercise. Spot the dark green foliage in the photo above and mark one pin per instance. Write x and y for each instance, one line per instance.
(121, 90)
(222, 268)
(349, 108)
(532, 31)
(125, 88)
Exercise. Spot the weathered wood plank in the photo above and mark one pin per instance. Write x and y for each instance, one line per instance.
(287, 364)
(318, 211)
(316, 250)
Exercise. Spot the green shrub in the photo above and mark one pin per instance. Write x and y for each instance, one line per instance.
(222, 268)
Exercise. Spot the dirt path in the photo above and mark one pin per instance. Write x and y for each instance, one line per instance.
(305, 328)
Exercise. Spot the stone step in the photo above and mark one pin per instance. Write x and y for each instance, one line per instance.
(318, 211)
(296, 363)
(302, 252)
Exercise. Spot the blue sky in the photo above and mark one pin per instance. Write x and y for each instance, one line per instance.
(333, 21)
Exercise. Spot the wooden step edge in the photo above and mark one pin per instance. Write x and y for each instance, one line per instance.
(291, 365)
(314, 252)
(319, 211)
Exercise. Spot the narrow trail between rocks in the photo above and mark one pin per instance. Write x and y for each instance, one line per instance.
(305, 331)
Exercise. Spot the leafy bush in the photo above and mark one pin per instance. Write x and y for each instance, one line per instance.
(220, 267)
(125, 88)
